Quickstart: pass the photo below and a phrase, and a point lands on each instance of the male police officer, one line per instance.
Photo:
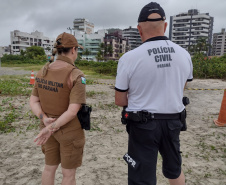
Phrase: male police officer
(150, 82)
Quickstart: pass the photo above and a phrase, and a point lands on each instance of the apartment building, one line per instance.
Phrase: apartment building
(118, 44)
(133, 37)
(186, 28)
(219, 43)
(82, 24)
(22, 40)
(4, 50)
(90, 42)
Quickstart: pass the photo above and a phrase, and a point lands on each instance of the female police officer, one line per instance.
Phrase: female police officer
(56, 98)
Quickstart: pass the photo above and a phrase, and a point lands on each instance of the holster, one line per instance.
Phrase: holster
(183, 120)
(84, 116)
(123, 118)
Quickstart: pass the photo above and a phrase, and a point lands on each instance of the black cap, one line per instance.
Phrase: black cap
(149, 9)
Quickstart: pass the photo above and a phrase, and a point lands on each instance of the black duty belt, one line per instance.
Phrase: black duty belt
(143, 116)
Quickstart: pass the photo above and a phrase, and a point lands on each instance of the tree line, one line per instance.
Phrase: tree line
(203, 66)
(32, 55)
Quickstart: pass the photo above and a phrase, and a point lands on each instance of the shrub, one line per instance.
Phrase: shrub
(15, 87)
(205, 67)
(107, 68)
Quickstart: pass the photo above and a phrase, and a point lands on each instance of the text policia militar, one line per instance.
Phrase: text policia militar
(162, 54)
(48, 85)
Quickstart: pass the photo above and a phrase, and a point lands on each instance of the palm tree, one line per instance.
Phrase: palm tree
(86, 53)
(105, 51)
(99, 56)
(109, 50)
(101, 53)
(201, 46)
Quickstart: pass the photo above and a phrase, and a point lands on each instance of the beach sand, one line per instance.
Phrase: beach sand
(203, 145)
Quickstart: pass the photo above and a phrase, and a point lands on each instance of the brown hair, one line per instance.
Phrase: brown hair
(63, 50)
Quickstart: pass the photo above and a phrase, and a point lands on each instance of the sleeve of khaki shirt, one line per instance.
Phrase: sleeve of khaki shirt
(78, 91)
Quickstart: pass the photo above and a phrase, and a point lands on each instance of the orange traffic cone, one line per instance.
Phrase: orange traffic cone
(221, 121)
(32, 79)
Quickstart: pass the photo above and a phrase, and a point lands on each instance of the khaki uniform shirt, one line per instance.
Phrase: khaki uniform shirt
(59, 87)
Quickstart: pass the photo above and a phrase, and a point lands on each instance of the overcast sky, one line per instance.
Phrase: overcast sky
(53, 17)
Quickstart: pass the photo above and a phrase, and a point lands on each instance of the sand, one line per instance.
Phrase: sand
(203, 145)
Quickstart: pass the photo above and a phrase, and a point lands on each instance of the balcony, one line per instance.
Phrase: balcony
(179, 34)
(22, 45)
(204, 34)
(181, 21)
(95, 47)
(202, 21)
(180, 26)
(180, 30)
(180, 39)
(130, 31)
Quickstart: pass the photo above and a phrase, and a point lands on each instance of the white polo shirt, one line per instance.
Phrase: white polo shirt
(155, 74)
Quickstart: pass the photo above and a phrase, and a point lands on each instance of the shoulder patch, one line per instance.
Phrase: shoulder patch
(83, 80)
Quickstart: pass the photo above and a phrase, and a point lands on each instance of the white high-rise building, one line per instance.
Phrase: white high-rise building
(133, 37)
(83, 25)
(22, 40)
(186, 28)
(219, 43)
(90, 42)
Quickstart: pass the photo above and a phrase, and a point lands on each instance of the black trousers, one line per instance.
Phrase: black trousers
(145, 141)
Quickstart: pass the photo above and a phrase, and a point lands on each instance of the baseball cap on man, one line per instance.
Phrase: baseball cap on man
(66, 40)
(150, 8)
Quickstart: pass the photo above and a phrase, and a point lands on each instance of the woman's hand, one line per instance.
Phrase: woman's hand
(45, 133)
(43, 136)
(47, 121)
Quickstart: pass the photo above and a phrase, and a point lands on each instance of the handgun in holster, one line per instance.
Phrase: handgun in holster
(84, 116)
(183, 116)
(123, 118)
(185, 101)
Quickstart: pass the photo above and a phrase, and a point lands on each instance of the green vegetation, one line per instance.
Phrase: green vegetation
(106, 68)
(205, 67)
(8, 119)
(12, 86)
(200, 47)
(34, 52)
(11, 113)
(15, 85)
(32, 55)
(105, 51)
